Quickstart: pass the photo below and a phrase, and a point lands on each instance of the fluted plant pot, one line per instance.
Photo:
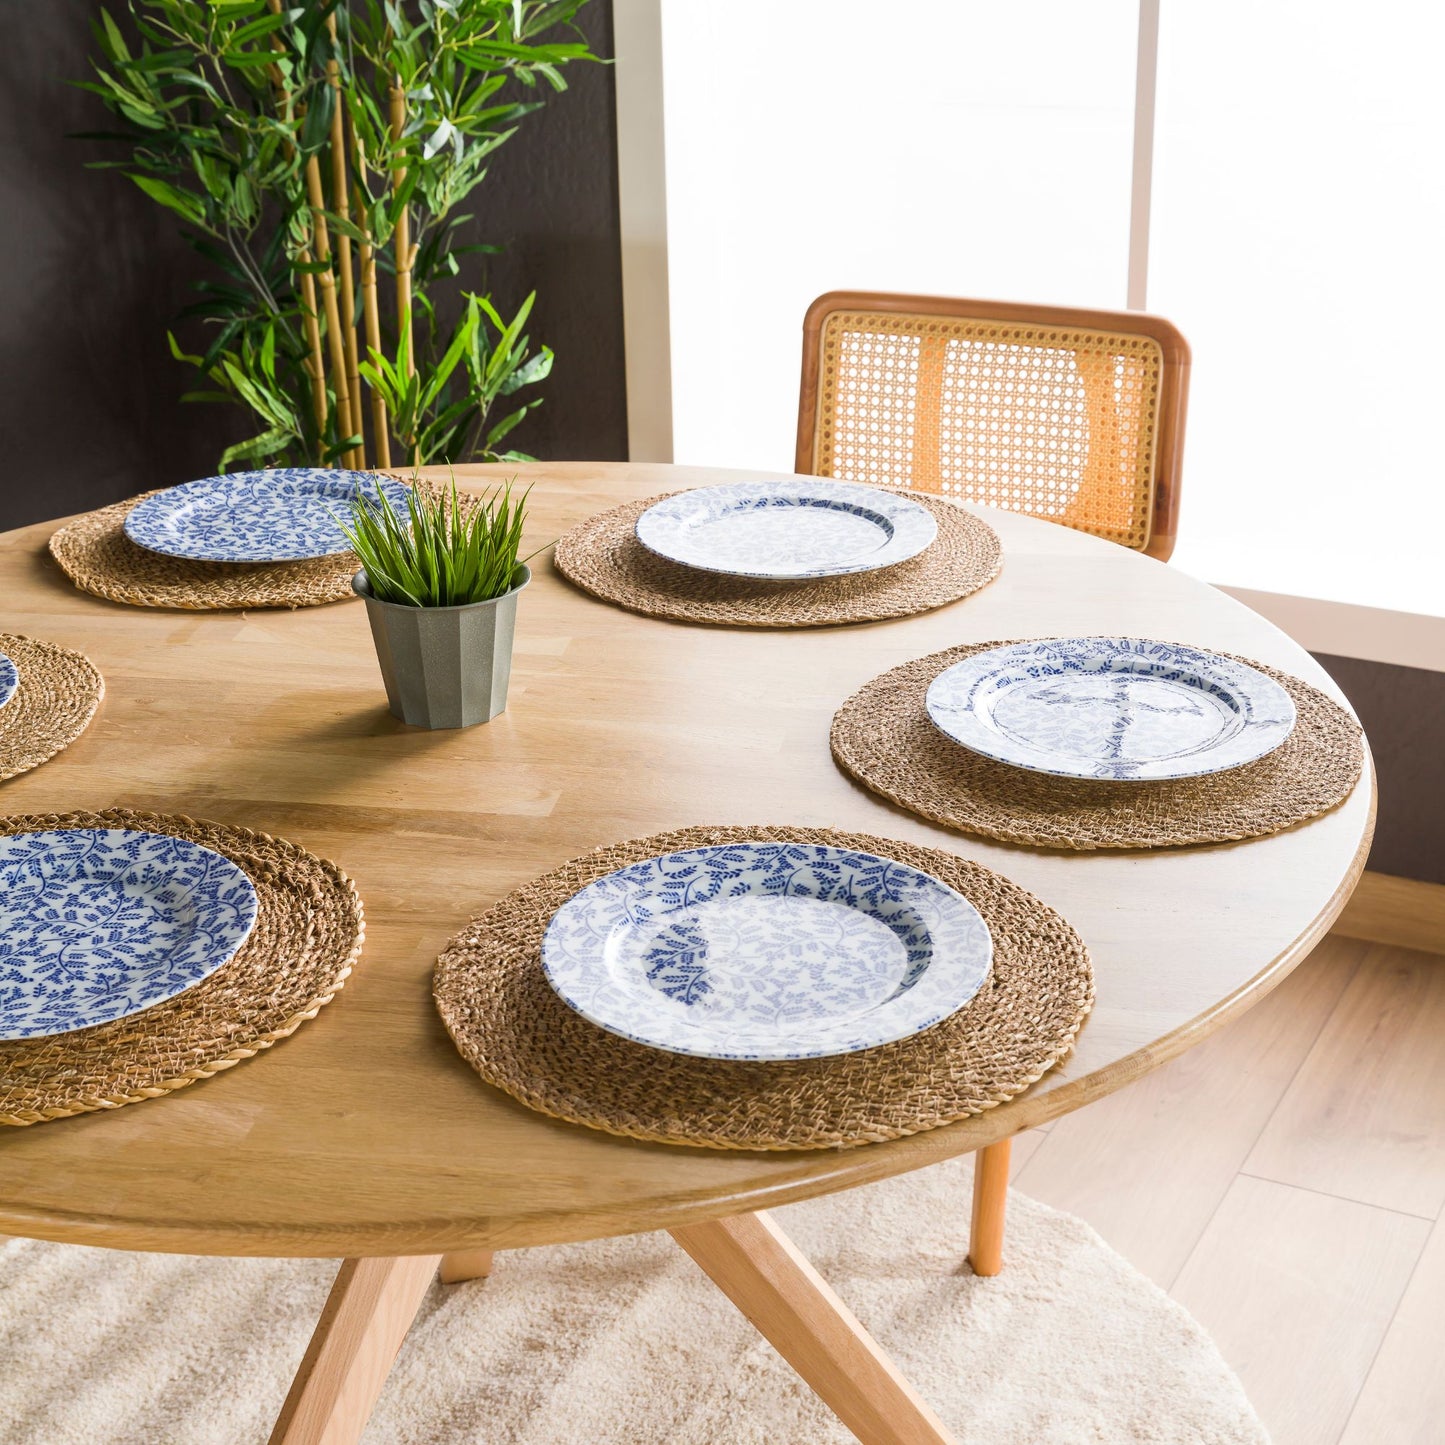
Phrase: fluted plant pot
(444, 667)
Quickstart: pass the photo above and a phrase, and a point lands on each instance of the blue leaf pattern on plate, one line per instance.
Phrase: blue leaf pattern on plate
(766, 950)
(99, 923)
(1112, 708)
(787, 529)
(285, 514)
(9, 679)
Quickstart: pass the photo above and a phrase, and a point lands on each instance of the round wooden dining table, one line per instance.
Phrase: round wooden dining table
(366, 1137)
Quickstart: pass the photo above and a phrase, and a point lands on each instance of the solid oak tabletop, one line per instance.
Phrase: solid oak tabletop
(365, 1133)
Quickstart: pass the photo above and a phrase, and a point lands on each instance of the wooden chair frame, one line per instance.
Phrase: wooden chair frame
(1173, 381)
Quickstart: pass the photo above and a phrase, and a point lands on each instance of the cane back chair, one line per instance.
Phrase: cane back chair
(1073, 416)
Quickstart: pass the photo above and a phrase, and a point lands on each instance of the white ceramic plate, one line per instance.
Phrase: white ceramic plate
(766, 951)
(9, 679)
(809, 527)
(1120, 708)
(285, 514)
(99, 923)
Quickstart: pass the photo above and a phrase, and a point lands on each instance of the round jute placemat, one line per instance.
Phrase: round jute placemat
(603, 556)
(56, 697)
(519, 1036)
(308, 934)
(883, 737)
(95, 553)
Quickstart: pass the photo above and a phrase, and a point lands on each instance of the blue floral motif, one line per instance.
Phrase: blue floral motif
(1114, 708)
(99, 923)
(787, 529)
(9, 679)
(285, 514)
(766, 950)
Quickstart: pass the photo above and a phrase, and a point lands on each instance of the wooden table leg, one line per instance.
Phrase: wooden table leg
(990, 1196)
(762, 1272)
(466, 1264)
(367, 1315)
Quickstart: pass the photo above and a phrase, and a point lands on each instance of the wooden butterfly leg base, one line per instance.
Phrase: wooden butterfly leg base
(367, 1315)
(761, 1271)
(990, 1197)
(466, 1264)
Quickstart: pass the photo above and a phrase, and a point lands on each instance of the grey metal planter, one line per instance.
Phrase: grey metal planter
(444, 667)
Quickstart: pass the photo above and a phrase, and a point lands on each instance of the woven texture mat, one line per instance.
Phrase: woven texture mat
(603, 556)
(95, 553)
(307, 936)
(519, 1036)
(884, 738)
(53, 703)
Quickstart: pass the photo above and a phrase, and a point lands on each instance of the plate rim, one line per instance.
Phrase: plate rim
(142, 523)
(235, 941)
(903, 507)
(760, 1054)
(1272, 733)
(9, 677)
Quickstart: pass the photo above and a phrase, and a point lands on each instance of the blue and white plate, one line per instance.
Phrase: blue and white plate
(808, 527)
(766, 951)
(9, 679)
(99, 923)
(1119, 708)
(283, 515)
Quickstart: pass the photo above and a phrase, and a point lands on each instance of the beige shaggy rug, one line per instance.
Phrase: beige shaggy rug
(624, 1342)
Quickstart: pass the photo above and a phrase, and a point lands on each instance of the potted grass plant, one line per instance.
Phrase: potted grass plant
(441, 581)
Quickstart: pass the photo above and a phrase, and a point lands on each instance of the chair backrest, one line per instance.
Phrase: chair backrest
(1074, 416)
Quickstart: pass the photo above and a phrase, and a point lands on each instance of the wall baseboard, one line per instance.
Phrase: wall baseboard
(1401, 912)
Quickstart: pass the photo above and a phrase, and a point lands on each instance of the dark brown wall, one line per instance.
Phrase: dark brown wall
(1403, 711)
(91, 273)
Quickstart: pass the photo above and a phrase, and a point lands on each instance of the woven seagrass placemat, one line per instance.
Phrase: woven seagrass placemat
(95, 553)
(883, 737)
(308, 934)
(519, 1036)
(56, 697)
(603, 556)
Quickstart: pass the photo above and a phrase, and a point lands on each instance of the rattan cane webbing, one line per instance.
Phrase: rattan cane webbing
(95, 553)
(1059, 422)
(307, 937)
(520, 1037)
(884, 738)
(53, 702)
(603, 556)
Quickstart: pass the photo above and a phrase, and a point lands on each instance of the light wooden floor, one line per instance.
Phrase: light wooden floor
(1286, 1181)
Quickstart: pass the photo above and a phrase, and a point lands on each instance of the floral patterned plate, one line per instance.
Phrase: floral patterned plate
(9, 679)
(787, 529)
(766, 951)
(283, 515)
(99, 923)
(1118, 708)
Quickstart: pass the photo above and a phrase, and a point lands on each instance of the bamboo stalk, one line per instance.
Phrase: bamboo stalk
(315, 362)
(370, 309)
(405, 252)
(335, 342)
(340, 204)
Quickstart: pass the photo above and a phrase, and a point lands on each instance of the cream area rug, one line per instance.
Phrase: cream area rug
(625, 1342)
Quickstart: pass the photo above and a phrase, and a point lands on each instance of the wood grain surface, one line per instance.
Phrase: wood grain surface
(365, 1133)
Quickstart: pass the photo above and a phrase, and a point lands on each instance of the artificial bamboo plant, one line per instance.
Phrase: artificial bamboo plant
(316, 153)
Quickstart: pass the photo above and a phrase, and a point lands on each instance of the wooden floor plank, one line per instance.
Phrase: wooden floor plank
(1363, 1116)
(1298, 1290)
(1403, 1401)
(1147, 1166)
